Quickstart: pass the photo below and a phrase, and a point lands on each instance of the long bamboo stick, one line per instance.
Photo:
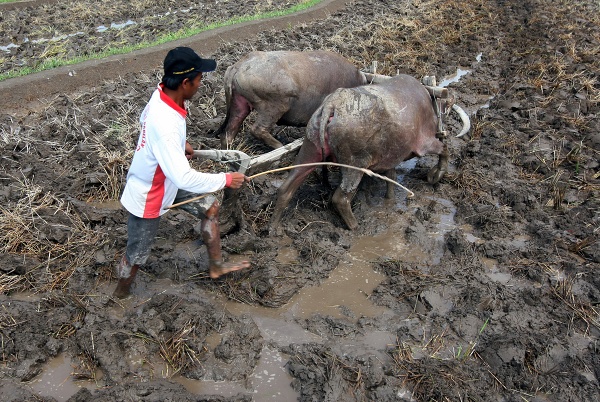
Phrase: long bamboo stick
(366, 171)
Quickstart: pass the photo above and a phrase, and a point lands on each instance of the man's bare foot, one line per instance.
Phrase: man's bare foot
(220, 268)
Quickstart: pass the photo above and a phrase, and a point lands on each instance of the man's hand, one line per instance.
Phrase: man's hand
(237, 179)
(189, 151)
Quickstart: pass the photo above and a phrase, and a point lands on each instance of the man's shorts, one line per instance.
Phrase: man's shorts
(141, 232)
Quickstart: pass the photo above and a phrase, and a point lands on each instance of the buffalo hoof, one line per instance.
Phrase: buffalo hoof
(435, 175)
(351, 222)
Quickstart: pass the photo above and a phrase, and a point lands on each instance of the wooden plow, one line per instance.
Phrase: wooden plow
(242, 162)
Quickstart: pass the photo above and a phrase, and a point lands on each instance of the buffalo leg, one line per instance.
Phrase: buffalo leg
(264, 134)
(267, 117)
(342, 198)
(390, 174)
(437, 172)
(308, 154)
(239, 109)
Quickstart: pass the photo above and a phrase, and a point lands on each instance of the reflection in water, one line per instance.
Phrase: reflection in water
(347, 289)
(270, 380)
(444, 225)
(56, 380)
(8, 47)
(405, 168)
(454, 77)
(114, 25)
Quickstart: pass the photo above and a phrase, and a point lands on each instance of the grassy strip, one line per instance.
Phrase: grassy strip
(55, 62)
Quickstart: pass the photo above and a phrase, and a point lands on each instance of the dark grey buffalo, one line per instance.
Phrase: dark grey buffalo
(284, 88)
(374, 127)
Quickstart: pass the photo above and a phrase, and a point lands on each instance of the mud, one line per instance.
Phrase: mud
(483, 287)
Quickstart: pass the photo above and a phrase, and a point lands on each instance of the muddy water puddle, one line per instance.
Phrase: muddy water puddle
(345, 293)
(57, 381)
(269, 381)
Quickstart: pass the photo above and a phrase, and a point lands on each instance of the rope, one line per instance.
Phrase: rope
(366, 171)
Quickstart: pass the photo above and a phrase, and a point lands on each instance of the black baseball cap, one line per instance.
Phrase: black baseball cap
(183, 60)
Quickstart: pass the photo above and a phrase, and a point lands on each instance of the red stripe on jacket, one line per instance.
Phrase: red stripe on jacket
(155, 196)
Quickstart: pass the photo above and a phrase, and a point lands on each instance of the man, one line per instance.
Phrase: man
(160, 174)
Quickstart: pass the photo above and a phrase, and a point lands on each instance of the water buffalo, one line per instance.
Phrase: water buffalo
(284, 88)
(374, 127)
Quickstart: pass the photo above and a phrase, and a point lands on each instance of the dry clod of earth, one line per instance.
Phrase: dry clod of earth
(490, 284)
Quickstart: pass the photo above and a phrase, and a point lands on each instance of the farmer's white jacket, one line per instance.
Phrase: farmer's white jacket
(159, 166)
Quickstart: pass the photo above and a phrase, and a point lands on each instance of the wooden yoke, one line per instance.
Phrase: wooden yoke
(441, 103)
(437, 92)
(439, 97)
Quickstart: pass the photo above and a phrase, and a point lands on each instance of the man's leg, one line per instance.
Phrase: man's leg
(207, 209)
(140, 237)
(211, 236)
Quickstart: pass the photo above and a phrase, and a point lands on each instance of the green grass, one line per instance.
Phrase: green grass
(461, 354)
(55, 62)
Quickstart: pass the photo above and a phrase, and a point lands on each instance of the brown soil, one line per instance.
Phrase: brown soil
(497, 298)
